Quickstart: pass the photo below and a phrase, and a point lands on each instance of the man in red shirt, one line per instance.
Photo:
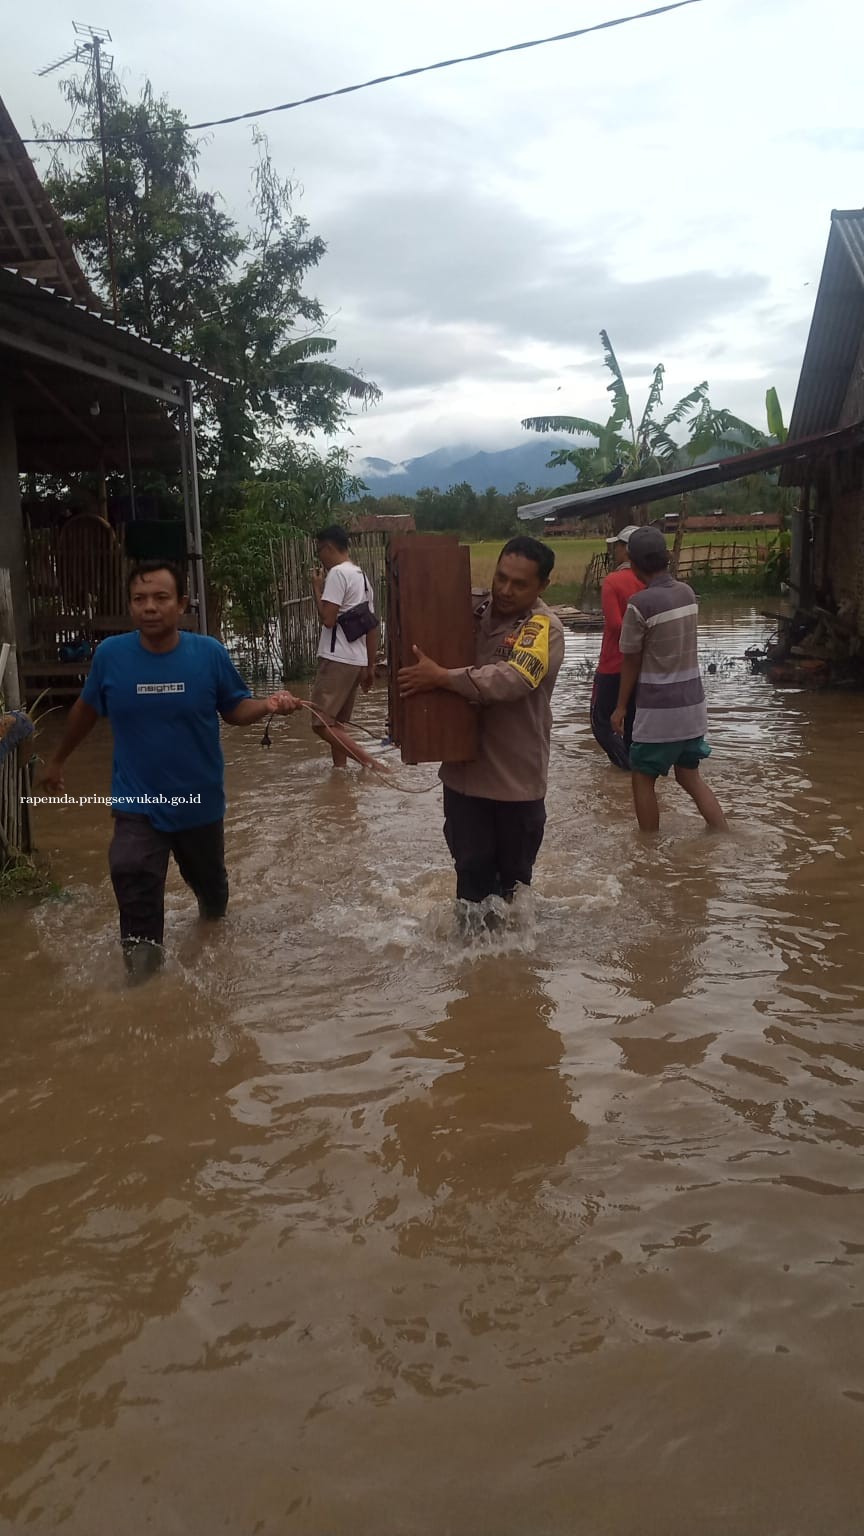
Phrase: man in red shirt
(618, 588)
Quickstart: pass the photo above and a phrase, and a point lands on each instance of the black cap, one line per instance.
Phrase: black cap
(646, 541)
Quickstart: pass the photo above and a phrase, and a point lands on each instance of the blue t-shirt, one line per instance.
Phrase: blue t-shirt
(164, 713)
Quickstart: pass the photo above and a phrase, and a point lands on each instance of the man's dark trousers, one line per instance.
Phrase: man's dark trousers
(604, 702)
(494, 843)
(138, 860)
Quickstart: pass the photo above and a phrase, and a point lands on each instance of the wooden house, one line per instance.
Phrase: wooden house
(828, 536)
(79, 396)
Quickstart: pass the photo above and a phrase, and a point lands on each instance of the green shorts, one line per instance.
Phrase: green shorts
(656, 757)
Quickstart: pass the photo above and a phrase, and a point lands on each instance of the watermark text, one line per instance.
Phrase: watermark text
(116, 802)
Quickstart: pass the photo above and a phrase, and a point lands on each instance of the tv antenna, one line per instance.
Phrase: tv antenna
(89, 44)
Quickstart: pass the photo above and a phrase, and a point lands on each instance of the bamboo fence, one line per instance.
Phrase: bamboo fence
(14, 818)
(76, 591)
(718, 559)
(293, 560)
(693, 560)
(77, 576)
(14, 770)
(598, 567)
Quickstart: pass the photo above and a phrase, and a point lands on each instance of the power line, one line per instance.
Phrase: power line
(407, 74)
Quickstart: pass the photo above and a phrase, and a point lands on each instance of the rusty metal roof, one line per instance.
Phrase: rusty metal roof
(33, 238)
(35, 249)
(836, 330)
(38, 298)
(67, 369)
(57, 432)
(630, 493)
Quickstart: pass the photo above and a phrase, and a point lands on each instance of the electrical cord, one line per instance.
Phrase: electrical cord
(338, 731)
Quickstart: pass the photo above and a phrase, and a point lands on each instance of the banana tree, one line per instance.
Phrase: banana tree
(624, 447)
(776, 426)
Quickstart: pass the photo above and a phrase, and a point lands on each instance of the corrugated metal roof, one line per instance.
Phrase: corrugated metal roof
(836, 329)
(630, 493)
(850, 228)
(33, 238)
(35, 249)
(99, 327)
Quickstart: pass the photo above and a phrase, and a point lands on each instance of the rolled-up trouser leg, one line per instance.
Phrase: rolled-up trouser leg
(138, 861)
(200, 855)
(469, 831)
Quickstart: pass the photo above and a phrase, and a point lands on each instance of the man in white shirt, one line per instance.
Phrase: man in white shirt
(343, 665)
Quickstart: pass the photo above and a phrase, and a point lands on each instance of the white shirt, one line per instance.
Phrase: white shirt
(346, 586)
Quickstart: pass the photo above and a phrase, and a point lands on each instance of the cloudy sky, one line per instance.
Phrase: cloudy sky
(670, 181)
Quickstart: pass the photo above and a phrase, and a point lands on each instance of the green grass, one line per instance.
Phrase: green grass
(570, 593)
(23, 878)
(573, 556)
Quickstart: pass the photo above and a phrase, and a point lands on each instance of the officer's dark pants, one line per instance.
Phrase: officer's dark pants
(604, 702)
(494, 843)
(138, 860)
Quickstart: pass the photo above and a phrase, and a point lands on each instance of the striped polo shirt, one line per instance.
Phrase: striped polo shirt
(660, 622)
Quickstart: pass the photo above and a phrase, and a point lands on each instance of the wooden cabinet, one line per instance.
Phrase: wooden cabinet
(429, 605)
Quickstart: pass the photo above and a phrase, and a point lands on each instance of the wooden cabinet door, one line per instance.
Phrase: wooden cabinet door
(429, 605)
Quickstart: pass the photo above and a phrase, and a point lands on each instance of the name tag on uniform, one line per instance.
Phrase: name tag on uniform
(161, 688)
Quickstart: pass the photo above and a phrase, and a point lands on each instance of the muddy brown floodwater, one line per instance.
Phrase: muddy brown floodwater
(341, 1224)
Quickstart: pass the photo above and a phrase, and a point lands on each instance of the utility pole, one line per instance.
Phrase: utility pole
(91, 41)
(90, 45)
(96, 47)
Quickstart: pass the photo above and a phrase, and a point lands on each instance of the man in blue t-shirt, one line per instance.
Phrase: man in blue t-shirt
(163, 690)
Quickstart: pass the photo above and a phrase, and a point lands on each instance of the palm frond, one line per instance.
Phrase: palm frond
(305, 347)
(578, 426)
(655, 395)
(664, 447)
(326, 376)
(617, 389)
(751, 436)
(719, 429)
(697, 396)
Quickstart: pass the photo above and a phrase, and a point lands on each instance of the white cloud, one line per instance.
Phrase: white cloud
(671, 180)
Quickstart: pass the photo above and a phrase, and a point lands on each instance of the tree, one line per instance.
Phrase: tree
(189, 279)
(295, 491)
(625, 449)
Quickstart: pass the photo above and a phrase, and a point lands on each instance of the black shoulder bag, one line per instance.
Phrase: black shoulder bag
(357, 621)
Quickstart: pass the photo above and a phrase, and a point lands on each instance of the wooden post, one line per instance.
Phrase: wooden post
(194, 505)
(14, 813)
(679, 536)
(102, 490)
(10, 686)
(13, 554)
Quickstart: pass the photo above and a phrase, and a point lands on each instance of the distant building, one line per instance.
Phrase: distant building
(399, 522)
(715, 522)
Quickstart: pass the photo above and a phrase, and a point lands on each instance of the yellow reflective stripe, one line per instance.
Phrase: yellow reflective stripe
(530, 653)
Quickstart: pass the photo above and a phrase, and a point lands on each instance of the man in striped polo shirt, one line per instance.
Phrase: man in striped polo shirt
(660, 660)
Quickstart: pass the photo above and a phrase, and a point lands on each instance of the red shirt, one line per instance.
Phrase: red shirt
(618, 588)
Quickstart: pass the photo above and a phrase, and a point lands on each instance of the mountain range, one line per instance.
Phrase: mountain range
(463, 464)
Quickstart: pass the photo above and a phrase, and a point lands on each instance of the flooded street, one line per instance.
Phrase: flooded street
(343, 1224)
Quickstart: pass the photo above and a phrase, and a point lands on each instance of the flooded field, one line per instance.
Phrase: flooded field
(343, 1224)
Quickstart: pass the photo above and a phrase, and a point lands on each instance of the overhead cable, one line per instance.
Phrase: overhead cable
(403, 74)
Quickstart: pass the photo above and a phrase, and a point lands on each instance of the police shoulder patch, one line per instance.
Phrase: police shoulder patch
(530, 653)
